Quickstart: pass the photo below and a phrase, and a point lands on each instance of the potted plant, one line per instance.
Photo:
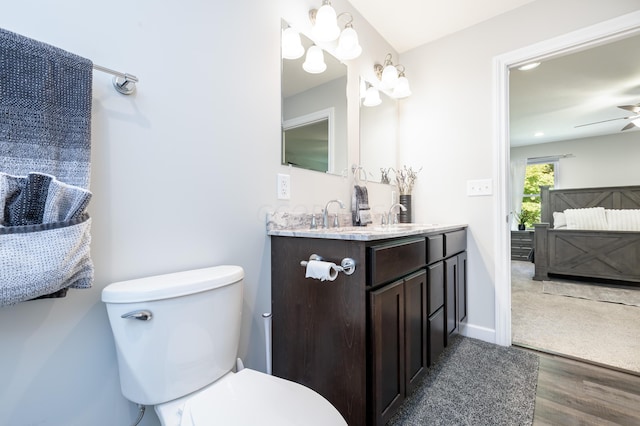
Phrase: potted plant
(522, 219)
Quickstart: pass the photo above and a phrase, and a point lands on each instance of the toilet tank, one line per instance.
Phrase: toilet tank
(191, 338)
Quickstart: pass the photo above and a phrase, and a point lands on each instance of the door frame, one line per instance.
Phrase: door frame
(601, 33)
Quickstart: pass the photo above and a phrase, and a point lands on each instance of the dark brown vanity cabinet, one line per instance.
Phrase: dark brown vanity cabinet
(456, 280)
(397, 326)
(364, 340)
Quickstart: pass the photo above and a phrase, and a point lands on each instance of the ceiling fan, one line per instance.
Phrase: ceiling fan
(635, 118)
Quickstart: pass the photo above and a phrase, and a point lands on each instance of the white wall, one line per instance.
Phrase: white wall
(183, 173)
(598, 161)
(447, 125)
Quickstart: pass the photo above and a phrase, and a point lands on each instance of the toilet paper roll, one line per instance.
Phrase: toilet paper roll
(322, 271)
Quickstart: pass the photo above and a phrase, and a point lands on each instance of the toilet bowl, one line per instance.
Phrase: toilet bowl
(250, 398)
(177, 338)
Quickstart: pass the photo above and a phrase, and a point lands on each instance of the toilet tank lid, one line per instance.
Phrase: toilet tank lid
(171, 285)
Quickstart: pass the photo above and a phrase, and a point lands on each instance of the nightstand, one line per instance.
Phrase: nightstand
(521, 244)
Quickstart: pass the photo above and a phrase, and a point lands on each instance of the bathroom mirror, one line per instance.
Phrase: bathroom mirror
(378, 135)
(314, 114)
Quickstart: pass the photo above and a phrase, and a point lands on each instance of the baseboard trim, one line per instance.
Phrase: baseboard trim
(478, 332)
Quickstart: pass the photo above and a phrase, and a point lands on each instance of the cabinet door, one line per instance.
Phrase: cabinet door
(436, 328)
(435, 295)
(462, 286)
(451, 288)
(388, 342)
(415, 304)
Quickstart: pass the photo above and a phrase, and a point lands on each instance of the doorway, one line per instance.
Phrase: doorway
(604, 32)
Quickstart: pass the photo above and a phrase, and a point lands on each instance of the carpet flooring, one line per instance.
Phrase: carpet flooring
(601, 332)
(474, 383)
(598, 292)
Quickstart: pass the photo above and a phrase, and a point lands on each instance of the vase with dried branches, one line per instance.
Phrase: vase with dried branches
(405, 178)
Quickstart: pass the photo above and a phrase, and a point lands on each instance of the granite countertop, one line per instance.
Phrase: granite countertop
(365, 233)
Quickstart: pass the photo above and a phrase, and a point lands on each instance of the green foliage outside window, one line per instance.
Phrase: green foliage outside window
(535, 176)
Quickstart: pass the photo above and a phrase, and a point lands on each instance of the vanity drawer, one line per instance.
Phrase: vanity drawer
(455, 242)
(435, 248)
(395, 259)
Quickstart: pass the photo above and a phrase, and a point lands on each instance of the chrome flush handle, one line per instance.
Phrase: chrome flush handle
(143, 315)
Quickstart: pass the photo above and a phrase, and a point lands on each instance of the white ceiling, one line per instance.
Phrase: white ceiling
(406, 24)
(576, 89)
(562, 93)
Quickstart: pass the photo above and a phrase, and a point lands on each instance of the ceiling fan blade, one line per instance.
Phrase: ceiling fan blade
(633, 108)
(603, 121)
(628, 126)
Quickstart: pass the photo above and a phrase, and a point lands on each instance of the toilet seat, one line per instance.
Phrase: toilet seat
(250, 398)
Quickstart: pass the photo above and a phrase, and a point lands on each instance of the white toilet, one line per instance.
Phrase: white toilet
(177, 338)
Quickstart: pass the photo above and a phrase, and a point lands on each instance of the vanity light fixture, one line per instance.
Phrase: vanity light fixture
(292, 47)
(372, 97)
(402, 86)
(325, 29)
(636, 122)
(314, 61)
(348, 44)
(325, 23)
(392, 78)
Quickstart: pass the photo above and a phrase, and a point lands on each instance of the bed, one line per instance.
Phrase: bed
(609, 254)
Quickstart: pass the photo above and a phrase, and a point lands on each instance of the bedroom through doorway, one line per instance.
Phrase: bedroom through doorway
(519, 271)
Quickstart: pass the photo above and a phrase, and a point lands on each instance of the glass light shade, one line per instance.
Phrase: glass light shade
(402, 88)
(291, 45)
(372, 98)
(348, 45)
(389, 77)
(326, 26)
(314, 62)
(636, 122)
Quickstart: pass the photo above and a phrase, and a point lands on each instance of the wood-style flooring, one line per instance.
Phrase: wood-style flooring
(571, 392)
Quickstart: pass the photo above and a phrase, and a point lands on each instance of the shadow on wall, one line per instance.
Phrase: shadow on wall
(48, 386)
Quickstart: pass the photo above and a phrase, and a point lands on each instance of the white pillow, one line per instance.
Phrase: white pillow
(592, 218)
(559, 220)
(623, 220)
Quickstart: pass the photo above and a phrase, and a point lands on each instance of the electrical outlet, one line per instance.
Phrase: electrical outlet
(284, 186)
(479, 187)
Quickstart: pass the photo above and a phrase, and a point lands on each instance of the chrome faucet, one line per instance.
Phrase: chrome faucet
(393, 218)
(325, 214)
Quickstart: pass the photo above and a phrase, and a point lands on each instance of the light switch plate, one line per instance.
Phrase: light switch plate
(479, 187)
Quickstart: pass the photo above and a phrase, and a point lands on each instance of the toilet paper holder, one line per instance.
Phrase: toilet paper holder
(347, 265)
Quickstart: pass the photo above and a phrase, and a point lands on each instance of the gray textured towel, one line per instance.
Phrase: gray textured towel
(360, 211)
(45, 129)
(45, 110)
(39, 199)
(37, 260)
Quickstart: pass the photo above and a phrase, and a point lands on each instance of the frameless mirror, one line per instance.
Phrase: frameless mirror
(314, 114)
(378, 134)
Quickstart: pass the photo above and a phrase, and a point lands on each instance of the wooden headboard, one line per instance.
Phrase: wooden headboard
(617, 197)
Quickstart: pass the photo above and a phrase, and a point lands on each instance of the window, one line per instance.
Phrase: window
(537, 173)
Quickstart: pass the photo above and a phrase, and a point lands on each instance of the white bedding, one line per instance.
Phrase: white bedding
(598, 218)
(592, 218)
(623, 220)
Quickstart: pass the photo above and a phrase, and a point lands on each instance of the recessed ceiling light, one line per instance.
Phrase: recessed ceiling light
(529, 66)
(538, 134)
